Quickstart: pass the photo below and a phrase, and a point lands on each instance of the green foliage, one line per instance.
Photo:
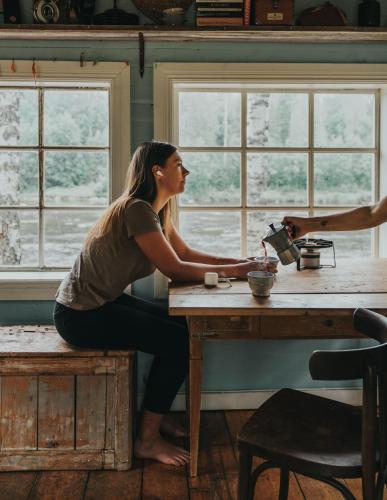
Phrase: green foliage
(70, 119)
(207, 119)
(340, 121)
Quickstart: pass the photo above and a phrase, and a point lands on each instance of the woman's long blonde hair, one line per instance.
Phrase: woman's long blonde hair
(140, 183)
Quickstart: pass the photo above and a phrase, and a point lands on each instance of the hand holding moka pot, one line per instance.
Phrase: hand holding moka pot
(279, 239)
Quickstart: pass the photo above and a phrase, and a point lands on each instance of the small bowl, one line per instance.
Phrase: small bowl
(260, 282)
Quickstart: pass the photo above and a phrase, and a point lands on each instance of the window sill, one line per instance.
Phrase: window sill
(29, 285)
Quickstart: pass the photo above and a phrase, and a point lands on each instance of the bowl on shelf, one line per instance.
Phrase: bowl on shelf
(154, 8)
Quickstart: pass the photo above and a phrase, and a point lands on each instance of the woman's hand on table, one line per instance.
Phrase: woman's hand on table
(245, 267)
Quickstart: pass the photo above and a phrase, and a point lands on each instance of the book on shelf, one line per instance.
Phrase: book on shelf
(219, 21)
(228, 15)
(220, 6)
(221, 3)
(246, 12)
(222, 9)
(219, 12)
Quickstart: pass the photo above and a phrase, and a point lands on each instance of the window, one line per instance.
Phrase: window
(256, 155)
(54, 158)
(265, 140)
(63, 157)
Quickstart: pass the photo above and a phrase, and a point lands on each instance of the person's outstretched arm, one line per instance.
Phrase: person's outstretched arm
(159, 251)
(358, 218)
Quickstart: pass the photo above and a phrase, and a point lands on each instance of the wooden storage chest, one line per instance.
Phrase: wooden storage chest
(62, 407)
(272, 12)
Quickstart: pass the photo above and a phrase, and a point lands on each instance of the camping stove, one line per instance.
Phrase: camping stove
(311, 251)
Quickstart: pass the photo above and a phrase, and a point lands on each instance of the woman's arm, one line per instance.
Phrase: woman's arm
(191, 255)
(158, 250)
(358, 218)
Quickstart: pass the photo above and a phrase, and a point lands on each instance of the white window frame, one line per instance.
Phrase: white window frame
(20, 285)
(311, 75)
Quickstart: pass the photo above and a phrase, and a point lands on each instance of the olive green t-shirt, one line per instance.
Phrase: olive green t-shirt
(102, 271)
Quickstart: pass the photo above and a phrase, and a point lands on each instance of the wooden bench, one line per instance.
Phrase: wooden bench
(62, 407)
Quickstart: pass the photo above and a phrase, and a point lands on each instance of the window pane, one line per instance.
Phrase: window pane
(19, 238)
(19, 178)
(258, 226)
(344, 120)
(217, 233)
(209, 119)
(348, 244)
(214, 179)
(19, 117)
(277, 179)
(65, 232)
(277, 120)
(84, 118)
(76, 178)
(343, 179)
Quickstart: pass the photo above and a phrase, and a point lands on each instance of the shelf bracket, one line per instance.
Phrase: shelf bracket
(141, 48)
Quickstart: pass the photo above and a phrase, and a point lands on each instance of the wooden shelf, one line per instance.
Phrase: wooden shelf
(316, 34)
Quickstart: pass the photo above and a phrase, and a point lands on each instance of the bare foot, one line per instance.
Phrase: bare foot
(162, 451)
(171, 429)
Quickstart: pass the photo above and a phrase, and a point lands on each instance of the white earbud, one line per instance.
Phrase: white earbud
(159, 173)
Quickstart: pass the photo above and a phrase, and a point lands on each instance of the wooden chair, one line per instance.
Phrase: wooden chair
(319, 437)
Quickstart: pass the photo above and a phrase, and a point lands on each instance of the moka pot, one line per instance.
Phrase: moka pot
(279, 239)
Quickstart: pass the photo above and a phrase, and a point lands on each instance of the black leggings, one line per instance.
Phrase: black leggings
(133, 323)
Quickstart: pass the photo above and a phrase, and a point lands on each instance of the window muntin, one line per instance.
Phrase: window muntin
(300, 150)
(58, 143)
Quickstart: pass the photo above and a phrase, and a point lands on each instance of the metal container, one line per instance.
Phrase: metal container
(278, 237)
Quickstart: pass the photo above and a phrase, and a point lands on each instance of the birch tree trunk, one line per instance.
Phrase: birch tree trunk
(258, 119)
(10, 243)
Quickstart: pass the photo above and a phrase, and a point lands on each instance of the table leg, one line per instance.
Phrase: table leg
(194, 393)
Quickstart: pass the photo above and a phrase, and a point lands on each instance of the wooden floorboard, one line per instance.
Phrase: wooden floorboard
(16, 485)
(115, 485)
(317, 490)
(218, 468)
(55, 485)
(217, 479)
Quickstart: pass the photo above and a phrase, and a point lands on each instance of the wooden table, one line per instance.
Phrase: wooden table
(304, 304)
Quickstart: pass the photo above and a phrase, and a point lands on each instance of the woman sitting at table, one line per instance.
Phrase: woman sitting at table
(358, 218)
(133, 237)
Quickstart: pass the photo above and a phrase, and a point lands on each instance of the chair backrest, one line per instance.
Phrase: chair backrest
(350, 364)
(370, 364)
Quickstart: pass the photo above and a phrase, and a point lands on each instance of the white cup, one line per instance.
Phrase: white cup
(210, 279)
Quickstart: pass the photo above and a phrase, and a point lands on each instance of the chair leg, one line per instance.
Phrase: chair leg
(369, 488)
(244, 480)
(284, 484)
(380, 485)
